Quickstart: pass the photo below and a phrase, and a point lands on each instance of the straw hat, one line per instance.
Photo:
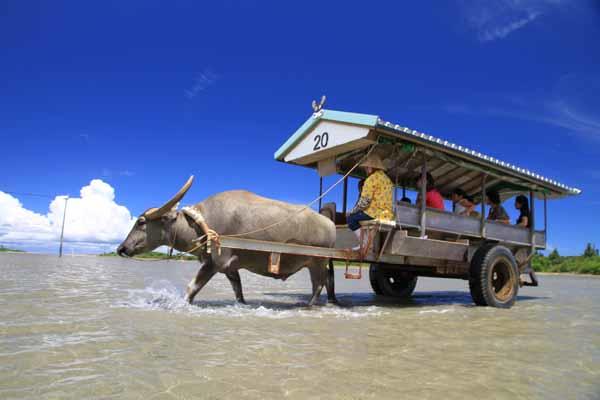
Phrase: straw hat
(373, 161)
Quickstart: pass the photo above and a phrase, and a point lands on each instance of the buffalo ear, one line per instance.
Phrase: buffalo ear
(170, 215)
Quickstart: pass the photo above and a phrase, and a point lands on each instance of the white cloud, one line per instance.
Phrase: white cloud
(570, 105)
(201, 82)
(127, 173)
(94, 220)
(500, 32)
(493, 20)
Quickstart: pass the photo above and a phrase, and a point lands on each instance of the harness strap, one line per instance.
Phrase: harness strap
(195, 215)
(198, 218)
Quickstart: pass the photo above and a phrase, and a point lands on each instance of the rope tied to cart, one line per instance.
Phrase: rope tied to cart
(308, 205)
(212, 236)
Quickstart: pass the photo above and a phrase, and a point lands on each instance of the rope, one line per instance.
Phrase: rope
(312, 202)
(202, 240)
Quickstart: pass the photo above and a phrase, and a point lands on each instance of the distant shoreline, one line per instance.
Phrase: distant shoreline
(570, 264)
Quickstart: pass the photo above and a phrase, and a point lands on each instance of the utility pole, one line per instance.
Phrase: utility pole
(62, 230)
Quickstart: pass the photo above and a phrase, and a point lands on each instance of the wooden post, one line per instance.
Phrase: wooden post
(483, 198)
(345, 200)
(320, 192)
(423, 197)
(62, 229)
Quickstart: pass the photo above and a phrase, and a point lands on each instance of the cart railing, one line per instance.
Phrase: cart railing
(408, 216)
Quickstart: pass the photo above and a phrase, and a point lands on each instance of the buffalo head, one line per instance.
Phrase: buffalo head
(152, 228)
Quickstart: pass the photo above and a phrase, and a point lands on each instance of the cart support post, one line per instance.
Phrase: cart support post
(545, 215)
(483, 198)
(345, 200)
(532, 219)
(320, 192)
(423, 196)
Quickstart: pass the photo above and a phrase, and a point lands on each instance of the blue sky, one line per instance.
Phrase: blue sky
(142, 94)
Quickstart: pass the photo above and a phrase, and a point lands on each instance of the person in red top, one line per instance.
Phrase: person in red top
(433, 198)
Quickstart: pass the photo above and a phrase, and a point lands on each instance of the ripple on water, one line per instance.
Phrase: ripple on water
(433, 311)
(163, 295)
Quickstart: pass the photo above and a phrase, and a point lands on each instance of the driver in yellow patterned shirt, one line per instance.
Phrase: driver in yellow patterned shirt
(376, 197)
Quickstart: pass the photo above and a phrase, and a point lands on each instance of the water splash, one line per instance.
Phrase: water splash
(162, 295)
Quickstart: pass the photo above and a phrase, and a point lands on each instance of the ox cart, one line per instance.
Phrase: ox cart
(494, 257)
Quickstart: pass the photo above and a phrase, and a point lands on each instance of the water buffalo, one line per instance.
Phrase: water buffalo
(230, 213)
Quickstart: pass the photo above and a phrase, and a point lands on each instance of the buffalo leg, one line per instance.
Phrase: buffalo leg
(318, 278)
(331, 284)
(236, 284)
(206, 272)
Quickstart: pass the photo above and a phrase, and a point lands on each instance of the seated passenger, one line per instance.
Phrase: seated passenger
(497, 212)
(375, 200)
(463, 204)
(522, 204)
(433, 198)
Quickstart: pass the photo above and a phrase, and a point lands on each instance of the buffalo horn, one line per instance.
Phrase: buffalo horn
(155, 213)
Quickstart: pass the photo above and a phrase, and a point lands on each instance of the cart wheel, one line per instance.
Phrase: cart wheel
(373, 279)
(494, 277)
(391, 282)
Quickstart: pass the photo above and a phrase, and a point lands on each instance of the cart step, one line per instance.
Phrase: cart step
(351, 275)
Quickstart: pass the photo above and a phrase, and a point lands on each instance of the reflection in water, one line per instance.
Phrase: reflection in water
(95, 327)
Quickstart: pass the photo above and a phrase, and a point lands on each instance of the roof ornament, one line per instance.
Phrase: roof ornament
(318, 107)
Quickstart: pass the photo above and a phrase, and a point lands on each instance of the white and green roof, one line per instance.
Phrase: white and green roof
(329, 134)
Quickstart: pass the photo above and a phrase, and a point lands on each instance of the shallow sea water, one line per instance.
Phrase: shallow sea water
(102, 327)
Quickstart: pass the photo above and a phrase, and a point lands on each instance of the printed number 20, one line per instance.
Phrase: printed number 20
(321, 141)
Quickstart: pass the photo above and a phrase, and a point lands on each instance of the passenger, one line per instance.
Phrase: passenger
(497, 212)
(433, 198)
(463, 204)
(375, 200)
(470, 204)
(522, 204)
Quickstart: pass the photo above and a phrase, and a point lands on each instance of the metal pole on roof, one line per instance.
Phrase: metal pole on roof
(62, 229)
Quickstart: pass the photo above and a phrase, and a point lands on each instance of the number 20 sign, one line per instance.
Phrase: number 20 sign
(321, 141)
(327, 136)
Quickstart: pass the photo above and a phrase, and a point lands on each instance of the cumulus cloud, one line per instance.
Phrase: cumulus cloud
(94, 220)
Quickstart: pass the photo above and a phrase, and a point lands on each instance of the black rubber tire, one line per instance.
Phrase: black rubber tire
(392, 282)
(474, 286)
(494, 277)
(373, 279)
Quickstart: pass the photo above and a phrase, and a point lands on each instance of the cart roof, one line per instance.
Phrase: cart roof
(340, 138)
